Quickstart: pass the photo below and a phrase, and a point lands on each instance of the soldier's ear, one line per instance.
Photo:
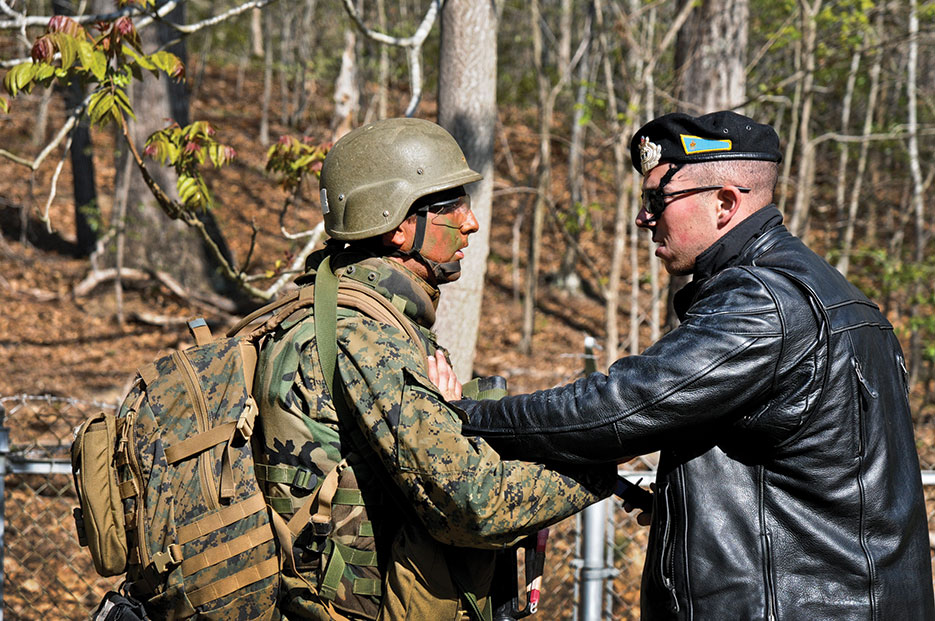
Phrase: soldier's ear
(399, 238)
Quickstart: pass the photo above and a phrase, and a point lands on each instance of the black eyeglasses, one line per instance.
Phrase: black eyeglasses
(654, 199)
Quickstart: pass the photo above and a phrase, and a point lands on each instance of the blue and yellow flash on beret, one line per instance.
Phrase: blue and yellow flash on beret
(682, 139)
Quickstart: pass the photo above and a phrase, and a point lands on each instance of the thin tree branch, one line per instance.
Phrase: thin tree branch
(21, 20)
(412, 45)
(217, 19)
(59, 137)
(58, 171)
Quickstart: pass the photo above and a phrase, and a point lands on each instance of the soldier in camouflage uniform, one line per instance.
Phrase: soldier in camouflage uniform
(419, 509)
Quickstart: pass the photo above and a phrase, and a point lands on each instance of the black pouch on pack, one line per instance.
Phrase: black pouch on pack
(117, 607)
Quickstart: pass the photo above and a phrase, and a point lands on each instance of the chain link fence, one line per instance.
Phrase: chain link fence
(46, 575)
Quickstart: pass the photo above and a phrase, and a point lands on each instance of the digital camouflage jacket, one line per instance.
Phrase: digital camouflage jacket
(421, 482)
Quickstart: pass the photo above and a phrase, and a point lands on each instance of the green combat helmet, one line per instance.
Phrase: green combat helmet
(373, 175)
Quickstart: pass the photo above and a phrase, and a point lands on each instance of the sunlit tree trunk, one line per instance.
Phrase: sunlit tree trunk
(806, 173)
(857, 187)
(544, 176)
(467, 107)
(915, 169)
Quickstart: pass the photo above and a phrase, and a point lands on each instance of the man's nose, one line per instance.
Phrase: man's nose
(644, 219)
(470, 223)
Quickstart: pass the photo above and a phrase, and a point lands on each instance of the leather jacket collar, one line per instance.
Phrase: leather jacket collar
(726, 252)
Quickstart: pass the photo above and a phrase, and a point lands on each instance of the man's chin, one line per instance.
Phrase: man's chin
(674, 270)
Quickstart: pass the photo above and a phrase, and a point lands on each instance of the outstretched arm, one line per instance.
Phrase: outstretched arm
(462, 490)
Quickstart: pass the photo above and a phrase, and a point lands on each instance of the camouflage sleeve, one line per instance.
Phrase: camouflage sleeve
(465, 494)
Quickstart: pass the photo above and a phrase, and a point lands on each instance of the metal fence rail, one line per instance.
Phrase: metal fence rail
(46, 575)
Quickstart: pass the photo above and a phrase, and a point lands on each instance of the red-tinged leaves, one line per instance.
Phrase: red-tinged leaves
(293, 159)
(65, 24)
(43, 50)
(186, 149)
(124, 30)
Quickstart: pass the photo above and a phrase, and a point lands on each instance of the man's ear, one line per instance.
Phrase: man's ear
(396, 238)
(729, 200)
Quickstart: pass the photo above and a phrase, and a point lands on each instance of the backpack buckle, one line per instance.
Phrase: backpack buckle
(305, 479)
(247, 418)
(320, 528)
(164, 561)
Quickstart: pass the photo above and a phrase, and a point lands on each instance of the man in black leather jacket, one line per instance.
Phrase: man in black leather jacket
(788, 483)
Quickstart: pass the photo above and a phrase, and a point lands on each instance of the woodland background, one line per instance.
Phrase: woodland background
(543, 95)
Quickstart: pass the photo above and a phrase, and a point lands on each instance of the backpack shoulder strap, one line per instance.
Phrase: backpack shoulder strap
(329, 294)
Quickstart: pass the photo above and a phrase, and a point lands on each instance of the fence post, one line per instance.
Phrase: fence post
(593, 539)
(4, 451)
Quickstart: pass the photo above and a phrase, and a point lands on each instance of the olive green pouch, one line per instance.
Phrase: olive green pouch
(99, 518)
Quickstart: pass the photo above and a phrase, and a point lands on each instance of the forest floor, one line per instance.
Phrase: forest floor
(53, 342)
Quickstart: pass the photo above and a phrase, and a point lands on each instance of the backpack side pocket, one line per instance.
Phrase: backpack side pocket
(99, 517)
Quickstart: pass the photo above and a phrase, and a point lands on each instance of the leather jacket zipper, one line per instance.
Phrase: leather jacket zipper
(209, 487)
(766, 548)
(870, 394)
(667, 564)
(902, 366)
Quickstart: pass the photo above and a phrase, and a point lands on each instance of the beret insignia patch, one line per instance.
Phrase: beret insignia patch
(696, 144)
(650, 153)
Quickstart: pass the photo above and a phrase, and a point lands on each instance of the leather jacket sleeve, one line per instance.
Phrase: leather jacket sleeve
(706, 373)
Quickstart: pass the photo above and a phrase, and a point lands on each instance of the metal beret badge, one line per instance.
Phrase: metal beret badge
(650, 154)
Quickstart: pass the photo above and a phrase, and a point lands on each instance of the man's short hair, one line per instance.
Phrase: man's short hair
(760, 176)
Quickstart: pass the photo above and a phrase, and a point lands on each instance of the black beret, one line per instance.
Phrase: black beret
(683, 139)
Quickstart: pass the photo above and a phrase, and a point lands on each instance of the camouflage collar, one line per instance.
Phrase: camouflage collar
(410, 294)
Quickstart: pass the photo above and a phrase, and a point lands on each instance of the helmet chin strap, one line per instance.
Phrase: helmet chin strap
(443, 272)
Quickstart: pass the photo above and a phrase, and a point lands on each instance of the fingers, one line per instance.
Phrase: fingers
(443, 376)
(433, 371)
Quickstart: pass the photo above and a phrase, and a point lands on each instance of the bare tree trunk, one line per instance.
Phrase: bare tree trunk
(918, 208)
(577, 209)
(564, 33)
(793, 128)
(806, 174)
(346, 93)
(286, 16)
(467, 107)
(542, 187)
(87, 211)
(846, 106)
(872, 97)
(256, 33)
(618, 249)
(154, 241)
(383, 72)
(710, 56)
(267, 77)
